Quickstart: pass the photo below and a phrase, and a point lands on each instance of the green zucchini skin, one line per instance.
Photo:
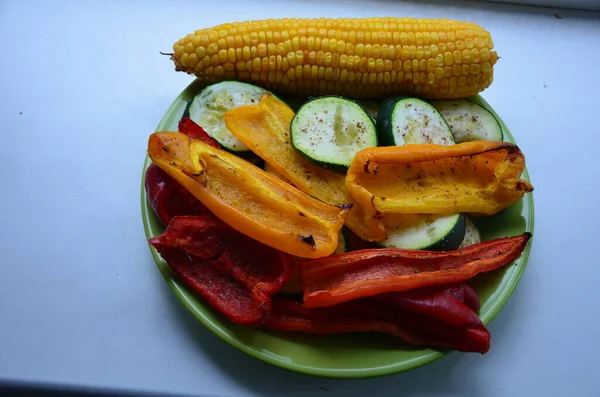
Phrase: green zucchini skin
(452, 240)
(343, 242)
(384, 121)
(330, 130)
(472, 234)
(406, 120)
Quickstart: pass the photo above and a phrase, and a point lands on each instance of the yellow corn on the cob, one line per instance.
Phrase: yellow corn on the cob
(356, 57)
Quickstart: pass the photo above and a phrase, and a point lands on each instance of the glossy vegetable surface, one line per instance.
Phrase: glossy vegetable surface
(345, 355)
(343, 277)
(265, 129)
(247, 198)
(232, 272)
(475, 177)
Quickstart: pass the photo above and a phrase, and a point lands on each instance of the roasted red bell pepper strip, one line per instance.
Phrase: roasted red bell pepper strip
(168, 198)
(437, 303)
(215, 286)
(466, 294)
(250, 262)
(235, 274)
(371, 316)
(437, 312)
(194, 131)
(451, 324)
(344, 277)
(463, 292)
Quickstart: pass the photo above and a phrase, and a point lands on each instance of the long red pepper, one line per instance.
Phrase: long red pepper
(344, 277)
(368, 315)
(438, 303)
(235, 274)
(227, 295)
(168, 198)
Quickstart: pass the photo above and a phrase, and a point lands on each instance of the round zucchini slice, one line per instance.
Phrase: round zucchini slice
(424, 231)
(208, 107)
(408, 120)
(330, 130)
(469, 121)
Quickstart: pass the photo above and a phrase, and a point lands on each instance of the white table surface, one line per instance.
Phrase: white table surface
(81, 302)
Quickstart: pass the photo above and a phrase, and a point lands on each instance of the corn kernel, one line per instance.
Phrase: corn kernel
(222, 56)
(448, 59)
(291, 74)
(484, 55)
(272, 62)
(335, 61)
(256, 64)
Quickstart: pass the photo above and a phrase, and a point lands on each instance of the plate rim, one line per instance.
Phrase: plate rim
(403, 366)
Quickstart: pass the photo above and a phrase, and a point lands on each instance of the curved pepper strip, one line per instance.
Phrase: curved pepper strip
(465, 294)
(443, 304)
(194, 131)
(372, 316)
(479, 177)
(247, 198)
(233, 273)
(344, 277)
(265, 129)
(168, 198)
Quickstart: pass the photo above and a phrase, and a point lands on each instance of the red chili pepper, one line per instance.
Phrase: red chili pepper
(372, 316)
(168, 198)
(344, 277)
(234, 273)
(194, 131)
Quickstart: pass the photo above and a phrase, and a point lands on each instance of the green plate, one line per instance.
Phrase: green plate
(347, 355)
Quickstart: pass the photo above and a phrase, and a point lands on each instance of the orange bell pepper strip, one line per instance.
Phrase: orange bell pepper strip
(480, 177)
(247, 198)
(344, 277)
(265, 129)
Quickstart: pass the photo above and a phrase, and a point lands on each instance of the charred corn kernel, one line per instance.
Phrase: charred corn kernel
(360, 57)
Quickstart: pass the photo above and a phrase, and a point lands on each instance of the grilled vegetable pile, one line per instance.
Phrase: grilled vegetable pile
(362, 214)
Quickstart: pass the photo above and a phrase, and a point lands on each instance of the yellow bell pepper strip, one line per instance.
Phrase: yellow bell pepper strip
(480, 177)
(247, 198)
(265, 129)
